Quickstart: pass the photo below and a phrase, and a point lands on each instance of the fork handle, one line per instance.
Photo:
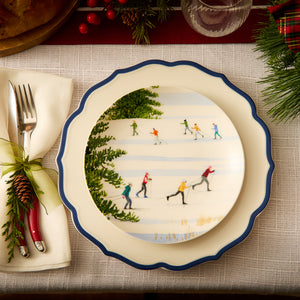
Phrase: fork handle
(33, 225)
(27, 140)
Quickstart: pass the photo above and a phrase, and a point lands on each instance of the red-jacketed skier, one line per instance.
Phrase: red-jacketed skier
(204, 178)
(144, 185)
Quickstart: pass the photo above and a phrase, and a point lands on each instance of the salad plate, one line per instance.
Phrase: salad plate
(165, 165)
(177, 159)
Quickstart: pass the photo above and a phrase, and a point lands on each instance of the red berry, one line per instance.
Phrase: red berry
(111, 14)
(91, 3)
(123, 1)
(83, 28)
(92, 18)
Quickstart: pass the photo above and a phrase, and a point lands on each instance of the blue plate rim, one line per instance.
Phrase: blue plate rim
(163, 264)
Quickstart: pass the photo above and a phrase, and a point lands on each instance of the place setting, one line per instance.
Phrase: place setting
(34, 230)
(150, 157)
(163, 163)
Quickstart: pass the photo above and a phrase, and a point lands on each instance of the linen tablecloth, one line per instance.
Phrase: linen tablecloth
(267, 261)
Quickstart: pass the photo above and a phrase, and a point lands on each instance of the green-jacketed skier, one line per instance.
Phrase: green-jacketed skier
(134, 127)
(125, 195)
(185, 123)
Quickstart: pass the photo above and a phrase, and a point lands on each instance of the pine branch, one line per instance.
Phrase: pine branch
(164, 10)
(99, 168)
(141, 31)
(11, 229)
(137, 104)
(282, 93)
(140, 16)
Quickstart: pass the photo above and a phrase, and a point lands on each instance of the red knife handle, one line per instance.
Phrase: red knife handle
(33, 225)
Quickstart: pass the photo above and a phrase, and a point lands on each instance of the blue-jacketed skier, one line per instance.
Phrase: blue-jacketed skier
(215, 128)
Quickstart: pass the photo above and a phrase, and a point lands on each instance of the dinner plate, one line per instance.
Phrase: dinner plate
(240, 156)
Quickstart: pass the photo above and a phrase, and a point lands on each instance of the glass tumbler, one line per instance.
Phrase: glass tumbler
(216, 18)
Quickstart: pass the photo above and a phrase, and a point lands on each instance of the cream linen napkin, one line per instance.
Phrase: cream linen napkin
(52, 95)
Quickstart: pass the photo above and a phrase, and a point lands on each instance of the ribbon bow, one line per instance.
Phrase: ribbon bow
(13, 160)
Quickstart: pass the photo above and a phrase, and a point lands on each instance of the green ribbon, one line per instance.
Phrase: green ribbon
(13, 159)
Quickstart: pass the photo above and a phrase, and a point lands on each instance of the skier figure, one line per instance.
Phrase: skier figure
(185, 123)
(204, 178)
(134, 127)
(197, 131)
(215, 128)
(144, 187)
(180, 190)
(156, 138)
(125, 195)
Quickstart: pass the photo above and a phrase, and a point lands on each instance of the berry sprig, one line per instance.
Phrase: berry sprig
(138, 15)
(92, 3)
(93, 18)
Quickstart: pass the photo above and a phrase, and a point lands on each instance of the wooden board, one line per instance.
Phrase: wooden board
(37, 35)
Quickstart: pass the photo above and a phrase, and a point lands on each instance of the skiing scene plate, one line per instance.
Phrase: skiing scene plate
(159, 167)
(152, 165)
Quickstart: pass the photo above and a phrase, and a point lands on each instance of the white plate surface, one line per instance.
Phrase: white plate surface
(251, 191)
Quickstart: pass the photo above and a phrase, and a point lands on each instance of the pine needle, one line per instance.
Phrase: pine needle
(282, 93)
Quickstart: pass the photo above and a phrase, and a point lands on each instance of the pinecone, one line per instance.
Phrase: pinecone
(130, 17)
(23, 188)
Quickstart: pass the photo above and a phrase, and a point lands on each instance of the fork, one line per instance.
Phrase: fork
(27, 123)
(27, 114)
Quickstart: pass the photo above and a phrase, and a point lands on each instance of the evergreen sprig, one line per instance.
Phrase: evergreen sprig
(99, 168)
(148, 11)
(141, 30)
(108, 208)
(137, 104)
(282, 91)
(99, 156)
(11, 229)
(164, 10)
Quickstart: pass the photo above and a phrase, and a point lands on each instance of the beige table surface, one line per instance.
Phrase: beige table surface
(267, 261)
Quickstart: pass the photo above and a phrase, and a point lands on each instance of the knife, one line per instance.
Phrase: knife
(32, 213)
(14, 135)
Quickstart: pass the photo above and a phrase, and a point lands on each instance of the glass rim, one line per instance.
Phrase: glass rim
(223, 7)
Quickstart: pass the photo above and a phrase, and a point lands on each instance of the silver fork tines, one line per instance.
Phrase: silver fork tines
(27, 113)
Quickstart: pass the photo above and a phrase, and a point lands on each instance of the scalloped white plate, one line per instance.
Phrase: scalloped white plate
(251, 190)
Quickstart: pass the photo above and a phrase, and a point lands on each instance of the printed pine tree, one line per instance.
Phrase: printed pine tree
(137, 104)
(99, 168)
